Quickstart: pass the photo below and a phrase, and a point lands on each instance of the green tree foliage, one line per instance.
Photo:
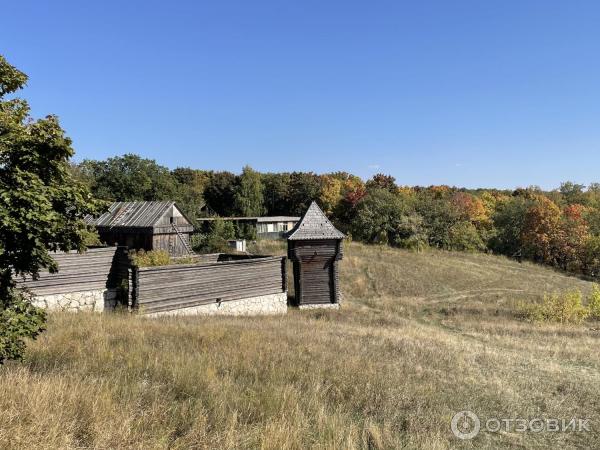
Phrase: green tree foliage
(129, 178)
(191, 184)
(220, 193)
(276, 186)
(214, 239)
(248, 197)
(591, 256)
(573, 193)
(41, 208)
(439, 217)
(387, 218)
(302, 190)
(463, 236)
(508, 219)
(377, 217)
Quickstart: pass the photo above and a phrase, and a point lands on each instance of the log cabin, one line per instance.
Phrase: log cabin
(147, 226)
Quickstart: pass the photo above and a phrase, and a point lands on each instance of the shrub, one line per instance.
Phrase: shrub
(19, 320)
(91, 238)
(560, 308)
(594, 303)
(152, 258)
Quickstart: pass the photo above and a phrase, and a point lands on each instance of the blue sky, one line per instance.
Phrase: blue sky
(467, 93)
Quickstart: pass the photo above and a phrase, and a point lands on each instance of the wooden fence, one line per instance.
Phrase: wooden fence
(167, 288)
(97, 268)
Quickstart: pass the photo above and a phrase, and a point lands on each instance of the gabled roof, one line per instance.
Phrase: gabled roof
(314, 225)
(132, 214)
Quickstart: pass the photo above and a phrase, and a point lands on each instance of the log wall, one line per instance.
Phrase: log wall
(168, 288)
(96, 269)
(316, 279)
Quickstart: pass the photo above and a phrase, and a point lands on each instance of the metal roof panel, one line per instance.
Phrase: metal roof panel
(132, 214)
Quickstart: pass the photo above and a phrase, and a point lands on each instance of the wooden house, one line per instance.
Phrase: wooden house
(146, 225)
(315, 248)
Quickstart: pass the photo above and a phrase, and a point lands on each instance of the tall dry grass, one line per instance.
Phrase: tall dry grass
(419, 337)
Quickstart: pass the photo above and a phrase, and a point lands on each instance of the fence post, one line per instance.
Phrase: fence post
(284, 273)
(133, 287)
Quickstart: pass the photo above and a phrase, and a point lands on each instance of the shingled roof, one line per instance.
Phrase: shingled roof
(314, 225)
(131, 214)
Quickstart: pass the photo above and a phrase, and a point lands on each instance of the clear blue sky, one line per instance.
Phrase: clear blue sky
(468, 93)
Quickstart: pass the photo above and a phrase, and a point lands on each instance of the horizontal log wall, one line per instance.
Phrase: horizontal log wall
(99, 268)
(316, 279)
(167, 288)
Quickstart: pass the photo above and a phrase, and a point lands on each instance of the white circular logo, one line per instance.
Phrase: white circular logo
(465, 425)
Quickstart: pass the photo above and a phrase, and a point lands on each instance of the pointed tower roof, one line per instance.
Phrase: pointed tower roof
(314, 225)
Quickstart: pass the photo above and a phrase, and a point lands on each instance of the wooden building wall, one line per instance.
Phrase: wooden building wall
(171, 243)
(315, 270)
(99, 268)
(167, 288)
(132, 238)
(161, 236)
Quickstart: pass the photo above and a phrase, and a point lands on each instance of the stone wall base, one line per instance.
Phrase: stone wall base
(97, 300)
(263, 305)
(320, 306)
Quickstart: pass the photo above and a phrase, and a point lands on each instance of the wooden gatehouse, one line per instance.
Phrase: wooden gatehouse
(315, 248)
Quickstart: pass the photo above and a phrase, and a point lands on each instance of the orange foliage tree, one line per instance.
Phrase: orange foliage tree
(541, 230)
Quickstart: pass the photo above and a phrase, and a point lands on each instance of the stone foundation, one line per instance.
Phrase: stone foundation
(97, 300)
(264, 305)
(321, 306)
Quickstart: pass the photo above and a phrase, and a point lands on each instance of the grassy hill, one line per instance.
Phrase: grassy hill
(419, 338)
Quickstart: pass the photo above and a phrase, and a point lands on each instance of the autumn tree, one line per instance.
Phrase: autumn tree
(541, 226)
(42, 207)
(469, 208)
(331, 193)
(570, 241)
(382, 181)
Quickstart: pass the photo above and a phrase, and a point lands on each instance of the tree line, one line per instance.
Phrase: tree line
(559, 228)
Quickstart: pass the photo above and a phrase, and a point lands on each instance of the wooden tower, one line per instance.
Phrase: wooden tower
(315, 247)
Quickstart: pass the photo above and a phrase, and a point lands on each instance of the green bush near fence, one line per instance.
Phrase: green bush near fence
(150, 258)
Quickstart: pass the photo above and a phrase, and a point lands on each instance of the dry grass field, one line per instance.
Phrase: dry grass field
(419, 337)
